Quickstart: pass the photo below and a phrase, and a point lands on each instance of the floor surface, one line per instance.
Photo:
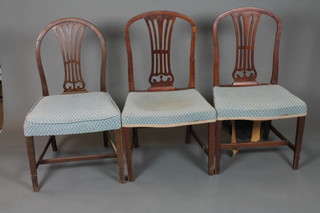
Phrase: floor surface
(170, 177)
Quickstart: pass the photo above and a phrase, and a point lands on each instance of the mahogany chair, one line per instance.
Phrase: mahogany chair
(245, 98)
(76, 111)
(164, 105)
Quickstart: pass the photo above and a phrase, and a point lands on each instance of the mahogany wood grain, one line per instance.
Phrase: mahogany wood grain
(298, 141)
(69, 33)
(246, 21)
(119, 154)
(32, 163)
(254, 144)
(128, 147)
(211, 147)
(119, 151)
(80, 158)
(160, 25)
(218, 146)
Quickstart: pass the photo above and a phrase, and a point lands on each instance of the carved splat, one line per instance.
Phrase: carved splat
(245, 24)
(69, 35)
(160, 30)
(160, 25)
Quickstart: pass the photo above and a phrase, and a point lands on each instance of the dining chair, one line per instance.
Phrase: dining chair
(245, 98)
(75, 111)
(162, 104)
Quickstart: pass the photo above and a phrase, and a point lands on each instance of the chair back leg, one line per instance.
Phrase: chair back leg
(105, 138)
(135, 138)
(211, 147)
(128, 147)
(266, 129)
(53, 143)
(188, 134)
(218, 146)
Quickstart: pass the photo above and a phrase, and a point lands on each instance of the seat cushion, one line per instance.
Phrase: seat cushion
(72, 114)
(165, 109)
(257, 103)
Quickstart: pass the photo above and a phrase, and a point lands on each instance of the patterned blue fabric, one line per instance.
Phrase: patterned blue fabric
(72, 114)
(163, 109)
(257, 103)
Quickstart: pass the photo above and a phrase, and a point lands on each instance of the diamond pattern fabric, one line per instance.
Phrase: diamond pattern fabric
(257, 103)
(165, 109)
(72, 114)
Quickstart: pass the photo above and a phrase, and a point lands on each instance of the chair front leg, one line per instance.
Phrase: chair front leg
(211, 147)
(298, 141)
(218, 146)
(32, 163)
(128, 147)
(119, 149)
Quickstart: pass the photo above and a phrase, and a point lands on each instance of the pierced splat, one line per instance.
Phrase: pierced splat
(160, 30)
(70, 35)
(245, 24)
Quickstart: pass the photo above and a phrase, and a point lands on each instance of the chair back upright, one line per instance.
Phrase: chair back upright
(246, 21)
(160, 25)
(69, 32)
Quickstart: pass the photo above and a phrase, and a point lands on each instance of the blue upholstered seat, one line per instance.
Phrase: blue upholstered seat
(165, 109)
(257, 103)
(72, 114)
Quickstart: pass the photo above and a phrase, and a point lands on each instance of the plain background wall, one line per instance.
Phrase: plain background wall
(21, 22)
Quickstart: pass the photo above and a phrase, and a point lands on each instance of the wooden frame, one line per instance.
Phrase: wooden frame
(160, 25)
(69, 32)
(34, 163)
(245, 22)
(160, 17)
(246, 11)
(63, 29)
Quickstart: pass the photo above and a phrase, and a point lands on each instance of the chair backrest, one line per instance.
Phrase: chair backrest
(69, 32)
(160, 26)
(246, 21)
